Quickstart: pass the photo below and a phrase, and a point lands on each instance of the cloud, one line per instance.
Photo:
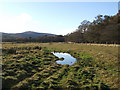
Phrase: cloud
(21, 23)
(15, 23)
(25, 22)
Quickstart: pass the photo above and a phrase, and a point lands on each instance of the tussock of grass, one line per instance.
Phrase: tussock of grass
(33, 66)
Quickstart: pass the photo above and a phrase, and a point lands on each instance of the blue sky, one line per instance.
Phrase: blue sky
(50, 17)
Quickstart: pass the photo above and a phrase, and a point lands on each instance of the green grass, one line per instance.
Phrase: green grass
(32, 66)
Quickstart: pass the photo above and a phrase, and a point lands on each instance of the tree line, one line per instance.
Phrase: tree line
(42, 39)
(104, 29)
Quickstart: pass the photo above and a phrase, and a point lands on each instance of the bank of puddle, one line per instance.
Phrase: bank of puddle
(67, 58)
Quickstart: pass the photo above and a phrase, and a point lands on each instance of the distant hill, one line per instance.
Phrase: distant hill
(26, 34)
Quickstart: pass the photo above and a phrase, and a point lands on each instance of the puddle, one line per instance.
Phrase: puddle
(68, 59)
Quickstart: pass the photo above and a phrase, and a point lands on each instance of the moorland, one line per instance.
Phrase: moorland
(32, 66)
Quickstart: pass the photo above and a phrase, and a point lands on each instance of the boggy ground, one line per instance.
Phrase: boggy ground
(32, 66)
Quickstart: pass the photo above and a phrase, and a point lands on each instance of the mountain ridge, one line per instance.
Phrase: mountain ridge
(26, 34)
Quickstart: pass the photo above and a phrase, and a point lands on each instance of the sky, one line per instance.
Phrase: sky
(50, 17)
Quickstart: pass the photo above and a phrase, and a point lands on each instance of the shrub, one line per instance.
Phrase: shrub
(9, 51)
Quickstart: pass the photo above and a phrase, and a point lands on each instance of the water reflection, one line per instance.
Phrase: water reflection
(68, 59)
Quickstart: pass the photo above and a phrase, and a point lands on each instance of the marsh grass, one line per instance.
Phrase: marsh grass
(33, 66)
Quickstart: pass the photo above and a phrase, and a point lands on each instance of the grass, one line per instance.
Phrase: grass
(32, 66)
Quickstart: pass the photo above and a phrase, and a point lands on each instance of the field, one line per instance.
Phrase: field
(32, 66)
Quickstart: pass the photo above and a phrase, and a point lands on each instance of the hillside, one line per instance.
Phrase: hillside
(26, 34)
(104, 29)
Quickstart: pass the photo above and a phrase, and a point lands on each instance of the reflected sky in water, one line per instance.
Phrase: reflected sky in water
(68, 59)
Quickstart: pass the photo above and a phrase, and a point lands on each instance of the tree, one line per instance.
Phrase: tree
(104, 29)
